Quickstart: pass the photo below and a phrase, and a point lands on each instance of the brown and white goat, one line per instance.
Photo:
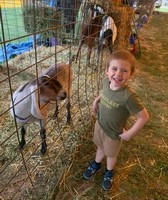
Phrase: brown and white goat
(89, 33)
(101, 26)
(31, 102)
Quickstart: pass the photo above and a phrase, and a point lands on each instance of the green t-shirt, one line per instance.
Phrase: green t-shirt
(115, 108)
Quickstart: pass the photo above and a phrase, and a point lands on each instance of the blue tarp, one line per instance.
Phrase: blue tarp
(13, 50)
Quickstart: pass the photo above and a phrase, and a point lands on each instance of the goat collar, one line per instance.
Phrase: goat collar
(22, 119)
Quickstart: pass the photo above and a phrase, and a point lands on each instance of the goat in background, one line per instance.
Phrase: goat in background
(32, 101)
(101, 26)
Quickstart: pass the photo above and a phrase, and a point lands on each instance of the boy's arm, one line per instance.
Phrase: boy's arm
(95, 104)
(142, 119)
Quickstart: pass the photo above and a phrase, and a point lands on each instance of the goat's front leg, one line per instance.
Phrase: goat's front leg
(55, 115)
(110, 44)
(43, 143)
(68, 106)
(100, 45)
(79, 49)
(108, 35)
(88, 56)
(23, 141)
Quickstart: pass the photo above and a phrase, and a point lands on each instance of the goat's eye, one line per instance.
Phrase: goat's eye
(46, 83)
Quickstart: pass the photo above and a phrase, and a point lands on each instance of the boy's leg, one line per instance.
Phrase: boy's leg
(95, 166)
(111, 150)
(99, 155)
(109, 173)
(111, 163)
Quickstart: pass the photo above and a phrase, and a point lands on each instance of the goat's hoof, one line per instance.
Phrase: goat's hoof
(43, 148)
(21, 145)
(54, 116)
(43, 151)
(68, 120)
(95, 69)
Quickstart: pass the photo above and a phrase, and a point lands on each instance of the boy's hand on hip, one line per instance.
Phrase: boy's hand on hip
(125, 136)
(95, 107)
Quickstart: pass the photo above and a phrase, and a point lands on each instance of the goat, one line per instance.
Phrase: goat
(32, 101)
(100, 26)
(89, 33)
(108, 32)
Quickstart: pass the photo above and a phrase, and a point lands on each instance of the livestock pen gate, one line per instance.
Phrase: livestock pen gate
(34, 35)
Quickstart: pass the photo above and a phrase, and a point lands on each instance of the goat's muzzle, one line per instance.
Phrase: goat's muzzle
(61, 95)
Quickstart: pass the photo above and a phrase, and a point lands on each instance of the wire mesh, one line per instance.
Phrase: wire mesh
(48, 32)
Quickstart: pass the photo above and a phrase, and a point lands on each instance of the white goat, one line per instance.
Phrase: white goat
(31, 102)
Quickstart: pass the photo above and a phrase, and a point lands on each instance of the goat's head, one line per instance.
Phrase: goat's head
(94, 10)
(51, 89)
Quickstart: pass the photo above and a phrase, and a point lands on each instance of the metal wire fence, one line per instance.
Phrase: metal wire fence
(34, 35)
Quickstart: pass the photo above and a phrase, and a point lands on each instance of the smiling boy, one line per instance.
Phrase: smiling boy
(114, 106)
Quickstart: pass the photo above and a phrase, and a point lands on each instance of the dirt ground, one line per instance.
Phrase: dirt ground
(142, 169)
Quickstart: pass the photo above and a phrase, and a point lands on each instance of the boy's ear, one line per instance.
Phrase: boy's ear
(132, 75)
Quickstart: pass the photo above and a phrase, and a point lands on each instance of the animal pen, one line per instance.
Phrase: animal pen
(34, 35)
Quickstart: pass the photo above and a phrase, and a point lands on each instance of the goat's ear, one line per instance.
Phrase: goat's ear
(45, 80)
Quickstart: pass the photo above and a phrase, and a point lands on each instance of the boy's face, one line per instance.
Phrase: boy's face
(119, 72)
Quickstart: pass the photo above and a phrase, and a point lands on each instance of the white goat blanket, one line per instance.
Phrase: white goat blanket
(26, 105)
(109, 24)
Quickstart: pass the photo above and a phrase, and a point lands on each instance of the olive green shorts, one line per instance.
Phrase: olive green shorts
(101, 140)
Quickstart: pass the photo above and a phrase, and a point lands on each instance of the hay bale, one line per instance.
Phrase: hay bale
(122, 16)
(50, 21)
(43, 19)
(124, 27)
